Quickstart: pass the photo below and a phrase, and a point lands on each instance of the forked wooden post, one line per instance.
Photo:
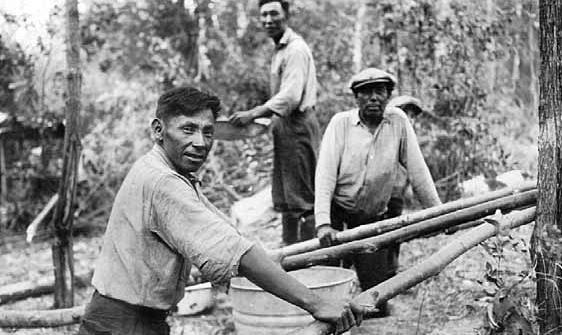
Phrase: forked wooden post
(63, 215)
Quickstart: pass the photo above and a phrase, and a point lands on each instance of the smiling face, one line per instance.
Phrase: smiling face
(371, 100)
(186, 140)
(273, 19)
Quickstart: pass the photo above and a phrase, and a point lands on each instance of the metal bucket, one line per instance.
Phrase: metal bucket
(258, 312)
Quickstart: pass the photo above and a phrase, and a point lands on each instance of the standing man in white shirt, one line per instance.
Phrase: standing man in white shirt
(363, 155)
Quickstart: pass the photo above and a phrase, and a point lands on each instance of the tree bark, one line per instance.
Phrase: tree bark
(546, 247)
(62, 219)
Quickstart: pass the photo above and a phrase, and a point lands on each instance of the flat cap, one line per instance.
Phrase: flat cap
(371, 75)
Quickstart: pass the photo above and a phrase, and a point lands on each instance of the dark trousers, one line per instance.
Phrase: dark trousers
(296, 139)
(107, 316)
(372, 268)
(298, 226)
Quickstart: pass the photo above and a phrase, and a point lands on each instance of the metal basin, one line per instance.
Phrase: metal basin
(258, 312)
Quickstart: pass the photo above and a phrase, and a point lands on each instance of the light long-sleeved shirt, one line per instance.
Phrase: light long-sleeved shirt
(358, 169)
(293, 76)
(160, 225)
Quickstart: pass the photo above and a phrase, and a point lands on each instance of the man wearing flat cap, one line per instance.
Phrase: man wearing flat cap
(363, 156)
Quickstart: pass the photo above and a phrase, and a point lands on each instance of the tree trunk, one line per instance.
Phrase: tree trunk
(532, 53)
(357, 37)
(545, 244)
(62, 219)
(3, 179)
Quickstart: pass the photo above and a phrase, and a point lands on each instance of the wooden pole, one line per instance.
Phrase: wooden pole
(429, 267)
(405, 220)
(409, 232)
(63, 215)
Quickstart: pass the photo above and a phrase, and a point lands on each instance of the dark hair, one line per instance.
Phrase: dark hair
(186, 101)
(284, 4)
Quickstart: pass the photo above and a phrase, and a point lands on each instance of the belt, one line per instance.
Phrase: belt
(144, 311)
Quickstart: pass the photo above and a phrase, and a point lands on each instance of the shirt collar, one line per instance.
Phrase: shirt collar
(356, 120)
(160, 153)
(287, 37)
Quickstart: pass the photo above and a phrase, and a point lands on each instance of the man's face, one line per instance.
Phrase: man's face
(187, 140)
(273, 19)
(371, 100)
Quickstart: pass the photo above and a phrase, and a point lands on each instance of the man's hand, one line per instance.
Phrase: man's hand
(341, 313)
(327, 235)
(242, 118)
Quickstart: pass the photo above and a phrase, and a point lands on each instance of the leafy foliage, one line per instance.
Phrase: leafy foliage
(457, 57)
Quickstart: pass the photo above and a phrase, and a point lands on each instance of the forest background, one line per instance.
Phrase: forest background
(474, 66)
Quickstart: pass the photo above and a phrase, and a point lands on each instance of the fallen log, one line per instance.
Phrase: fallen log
(429, 267)
(410, 232)
(28, 289)
(405, 220)
(40, 318)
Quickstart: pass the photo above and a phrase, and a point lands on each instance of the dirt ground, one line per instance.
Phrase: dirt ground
(454, 302)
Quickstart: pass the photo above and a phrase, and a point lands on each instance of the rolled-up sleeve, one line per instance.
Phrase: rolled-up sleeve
(293, 82)
(327, 173)
(418, 173)
(190, 228)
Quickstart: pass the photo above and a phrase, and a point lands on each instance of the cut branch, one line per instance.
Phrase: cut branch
(429, 267)
(34, 226)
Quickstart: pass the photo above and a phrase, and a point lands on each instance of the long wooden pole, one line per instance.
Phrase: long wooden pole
(405, 220)
(429, 267)
(409, 232)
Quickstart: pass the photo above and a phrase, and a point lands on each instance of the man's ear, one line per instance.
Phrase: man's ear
(157, 129)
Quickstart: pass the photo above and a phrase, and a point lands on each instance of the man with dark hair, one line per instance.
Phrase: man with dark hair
(365, 154)
(295, 129)
(161, 225)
